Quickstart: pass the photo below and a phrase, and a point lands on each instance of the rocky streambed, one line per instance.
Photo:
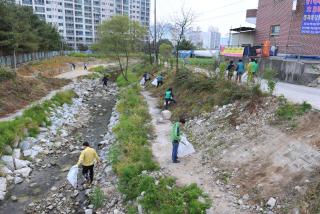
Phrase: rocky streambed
(34, 177)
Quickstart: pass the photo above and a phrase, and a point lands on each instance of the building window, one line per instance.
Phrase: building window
(275, 30)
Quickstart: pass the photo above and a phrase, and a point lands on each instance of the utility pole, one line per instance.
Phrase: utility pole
(155, 33)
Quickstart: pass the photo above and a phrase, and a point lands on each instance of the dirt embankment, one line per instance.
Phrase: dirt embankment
(35, 80)
(253, 155)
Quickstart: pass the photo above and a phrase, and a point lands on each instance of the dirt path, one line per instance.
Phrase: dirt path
(80, 72)
(191, 169)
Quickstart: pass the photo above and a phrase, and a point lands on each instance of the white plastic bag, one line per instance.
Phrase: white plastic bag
(73, 176)
(143, 81)
(155, 82)
(185, 147)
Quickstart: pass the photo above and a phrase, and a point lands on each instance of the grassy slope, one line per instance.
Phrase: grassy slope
(28, 124)
(132, 155)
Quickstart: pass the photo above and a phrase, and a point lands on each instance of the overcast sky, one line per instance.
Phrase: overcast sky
(221, 14)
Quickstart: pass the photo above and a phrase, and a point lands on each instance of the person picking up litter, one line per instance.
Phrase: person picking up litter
(87, 159)
(176, 138)
(168, 97)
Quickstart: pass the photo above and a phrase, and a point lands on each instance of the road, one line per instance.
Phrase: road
(297, 93)
(294, 93)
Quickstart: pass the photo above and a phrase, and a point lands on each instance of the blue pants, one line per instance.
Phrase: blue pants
(175, 146)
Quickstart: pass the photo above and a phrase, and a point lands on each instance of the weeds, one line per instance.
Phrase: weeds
(6, 74)
(197, 93)
(28, 124)
(132, 155)
(202, 62)
(270, 75)
(97, 198)
(289, 111)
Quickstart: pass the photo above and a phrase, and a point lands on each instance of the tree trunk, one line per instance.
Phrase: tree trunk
(127, 64)
(121, 68)
(14, 60)
(177, 58)
(150, 55)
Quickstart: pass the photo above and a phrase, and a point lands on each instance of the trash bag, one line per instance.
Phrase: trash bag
(143, 81)
(155, 82)
(73, 176)
(185, 147)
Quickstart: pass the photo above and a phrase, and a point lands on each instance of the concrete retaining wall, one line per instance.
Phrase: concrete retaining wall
(296, 72)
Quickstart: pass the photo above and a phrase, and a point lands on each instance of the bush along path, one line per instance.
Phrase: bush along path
(146, 187)
(33, 179)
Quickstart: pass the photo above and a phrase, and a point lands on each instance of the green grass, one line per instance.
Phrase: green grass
(197, 93)
(132, 155)
(28, 124)
(97, 198)
(6, 74)
(202, 62)
(289, 111)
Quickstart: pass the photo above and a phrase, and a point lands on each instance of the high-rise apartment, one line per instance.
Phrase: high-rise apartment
(77, 20)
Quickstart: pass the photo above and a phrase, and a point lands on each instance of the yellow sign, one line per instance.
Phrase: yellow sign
(232, 51)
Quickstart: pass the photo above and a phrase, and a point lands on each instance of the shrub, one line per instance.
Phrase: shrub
(6, 74)
(288, 111)
(270, 75)
(132, 155)
(97, 198)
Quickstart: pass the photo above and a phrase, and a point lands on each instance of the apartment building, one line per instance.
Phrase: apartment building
(77, 20)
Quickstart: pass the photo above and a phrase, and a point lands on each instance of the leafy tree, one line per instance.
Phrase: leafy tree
(23, 31)
(165, 41)
(120, 36)
(165, 51)
(186, 45)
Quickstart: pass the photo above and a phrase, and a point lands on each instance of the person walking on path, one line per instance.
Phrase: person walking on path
(230, 70)
(85, 66)
(87, 159)
(176, 137)
(168, 97)
(240, 70)
(159, 80)
(105, 80)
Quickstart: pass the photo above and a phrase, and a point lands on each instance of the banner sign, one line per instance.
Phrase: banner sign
(232, 51)
(311, 17)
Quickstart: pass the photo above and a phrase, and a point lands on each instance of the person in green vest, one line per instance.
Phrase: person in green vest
(168, 97)
(176, 137)
(253, 67)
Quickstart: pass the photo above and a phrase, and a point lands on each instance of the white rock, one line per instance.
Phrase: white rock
(166, 114)
(271, 203)
(25, 172)
(2, 195)
(21, 163)
(3, 184)
(5, 170)
(8, 161)
(53, 188)
(88, 211)
(16, 153)
(140, 210)
(18, 180)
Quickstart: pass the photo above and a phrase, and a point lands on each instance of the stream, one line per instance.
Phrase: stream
(46, 189)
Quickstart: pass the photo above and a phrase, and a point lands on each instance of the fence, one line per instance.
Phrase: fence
(29, 57)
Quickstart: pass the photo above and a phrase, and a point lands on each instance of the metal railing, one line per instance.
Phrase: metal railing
(8, 61)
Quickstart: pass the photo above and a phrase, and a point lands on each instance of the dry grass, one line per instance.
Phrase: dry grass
(51, 67)
(21, 91)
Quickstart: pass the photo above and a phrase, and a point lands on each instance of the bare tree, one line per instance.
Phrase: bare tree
(152, 40)
(182, 23)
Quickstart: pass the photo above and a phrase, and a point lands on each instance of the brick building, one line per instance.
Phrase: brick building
(280, 22)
